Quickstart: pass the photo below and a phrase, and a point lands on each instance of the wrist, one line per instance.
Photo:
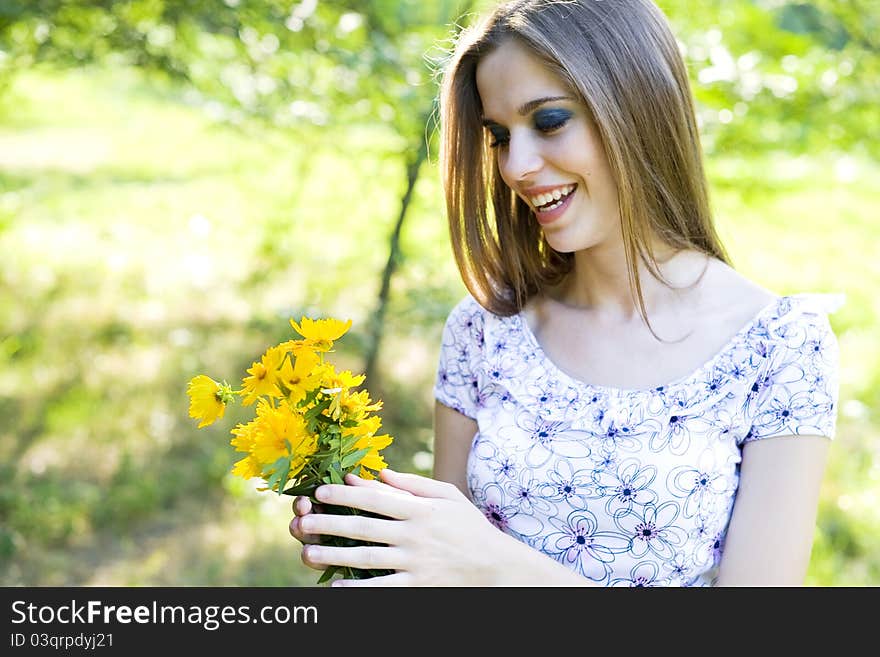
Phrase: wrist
(514, 563)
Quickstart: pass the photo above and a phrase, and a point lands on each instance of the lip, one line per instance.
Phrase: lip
(548, 217)
(543, 189)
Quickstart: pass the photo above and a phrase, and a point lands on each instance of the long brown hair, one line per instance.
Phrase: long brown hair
(621, 59)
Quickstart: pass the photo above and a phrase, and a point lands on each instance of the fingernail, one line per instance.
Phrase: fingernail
(305, 524)
(321, 493)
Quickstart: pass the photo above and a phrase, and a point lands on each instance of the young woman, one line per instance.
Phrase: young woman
(612, 395)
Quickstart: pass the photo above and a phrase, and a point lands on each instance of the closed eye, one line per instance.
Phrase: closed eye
(500, 136)
(549, 120)
(545, 121)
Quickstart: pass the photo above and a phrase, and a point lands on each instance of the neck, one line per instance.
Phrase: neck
(599, 282)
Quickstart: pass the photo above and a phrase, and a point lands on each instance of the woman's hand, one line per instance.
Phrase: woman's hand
(302, 506)
(434, 535)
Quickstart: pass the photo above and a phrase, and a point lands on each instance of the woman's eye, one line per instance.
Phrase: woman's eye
(550, 120)
(499, 138)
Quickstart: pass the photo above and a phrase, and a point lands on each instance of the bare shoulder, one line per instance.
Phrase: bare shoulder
(729, 297)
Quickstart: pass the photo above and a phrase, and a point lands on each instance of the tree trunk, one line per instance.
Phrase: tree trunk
(377, 320)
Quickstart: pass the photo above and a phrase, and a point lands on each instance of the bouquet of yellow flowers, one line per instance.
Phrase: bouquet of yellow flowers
(309, 428)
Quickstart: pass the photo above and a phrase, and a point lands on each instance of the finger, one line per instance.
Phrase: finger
(306, 559)
(364, 557)
(361, 528)
(355, 480)
(295, 529)
(418, 485)
(397, 579)
(301, 505)
(367, 498)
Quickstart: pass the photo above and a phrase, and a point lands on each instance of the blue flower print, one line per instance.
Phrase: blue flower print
(780, 412)
(538, 440)
(628, 428)
(577, 544)
(523, 493)
(498, 346)
(709, 545)
(565, 484)
(502, 464)
(780, 376)
(652, 530)
(604, 459)
(627, 485)
(723, 426)
(700, 488)
(676, 571)
(713, 383)
(490, 500)
(553, 399)
(675, 436)
(642, 575)
(504, 366)
(494, 396)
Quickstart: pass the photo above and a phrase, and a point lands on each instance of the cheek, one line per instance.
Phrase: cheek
(499, 163)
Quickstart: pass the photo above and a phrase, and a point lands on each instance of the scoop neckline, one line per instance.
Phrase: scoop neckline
(551, 365)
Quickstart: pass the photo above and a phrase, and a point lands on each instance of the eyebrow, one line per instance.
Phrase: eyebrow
(530, 106)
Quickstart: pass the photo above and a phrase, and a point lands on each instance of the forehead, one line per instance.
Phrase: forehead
(510, 76)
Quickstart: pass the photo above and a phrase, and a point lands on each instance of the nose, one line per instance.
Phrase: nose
(521, 159)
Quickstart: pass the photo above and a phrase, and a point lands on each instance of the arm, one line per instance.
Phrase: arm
(453, 434)
(771, 530)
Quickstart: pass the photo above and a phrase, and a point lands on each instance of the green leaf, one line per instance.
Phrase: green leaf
(306, 487)
(350, 459)
(327, 574)
(335, 476)
(348, 442)
(282, 481)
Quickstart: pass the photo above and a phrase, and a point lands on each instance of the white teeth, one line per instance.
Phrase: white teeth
(555, 195)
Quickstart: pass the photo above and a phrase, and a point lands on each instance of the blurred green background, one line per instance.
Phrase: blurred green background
(177, 179)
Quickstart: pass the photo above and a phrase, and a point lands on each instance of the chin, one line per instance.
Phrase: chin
(560, 244)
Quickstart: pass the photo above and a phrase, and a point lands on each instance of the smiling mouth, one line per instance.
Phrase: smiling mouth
(555, 202)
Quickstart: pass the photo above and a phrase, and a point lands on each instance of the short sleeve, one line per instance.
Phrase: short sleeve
(797, 391)
(461, 349)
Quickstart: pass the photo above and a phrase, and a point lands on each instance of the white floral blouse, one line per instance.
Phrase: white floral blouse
(631, 487)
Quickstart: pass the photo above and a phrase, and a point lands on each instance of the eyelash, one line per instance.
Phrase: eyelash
(545, 129)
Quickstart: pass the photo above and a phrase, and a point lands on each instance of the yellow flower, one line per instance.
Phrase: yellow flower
(321, 329)
(372, 459)
(302, 376)
(247, 468)
(207, 399)
(344, 379)
(281, 432)
(263, 376)
(357, 404)
(244, 436)
(320, 334)
(366, 427)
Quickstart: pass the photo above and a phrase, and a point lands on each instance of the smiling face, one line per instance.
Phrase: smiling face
(548, 149)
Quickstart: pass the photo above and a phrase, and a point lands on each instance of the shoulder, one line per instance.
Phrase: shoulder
(731, 300)
(466, 323)
(466, 313)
